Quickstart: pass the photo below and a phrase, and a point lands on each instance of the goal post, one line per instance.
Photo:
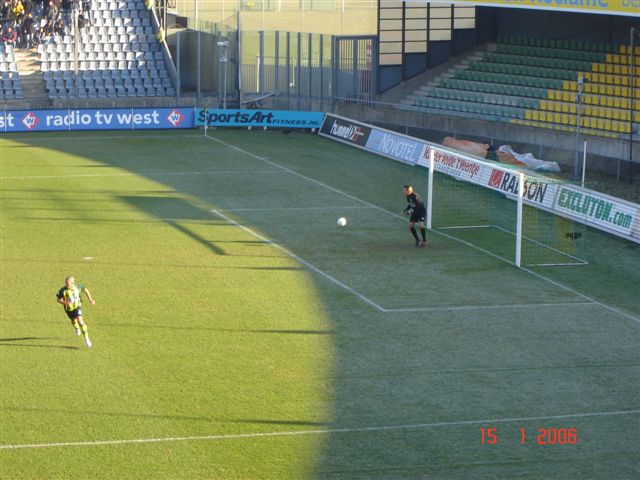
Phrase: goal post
(501, 210)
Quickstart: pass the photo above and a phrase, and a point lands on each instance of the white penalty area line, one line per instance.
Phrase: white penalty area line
(284, 209)
(383, 428)
(475, 247)
(302, 261)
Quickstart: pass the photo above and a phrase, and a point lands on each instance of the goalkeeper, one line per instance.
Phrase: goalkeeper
(415, 208)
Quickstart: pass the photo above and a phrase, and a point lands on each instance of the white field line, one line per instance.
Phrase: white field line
(304, 262)
(364, 202)
(278, 209)
(382, 428)
(445, 308)
(69, 136)
(146, 174)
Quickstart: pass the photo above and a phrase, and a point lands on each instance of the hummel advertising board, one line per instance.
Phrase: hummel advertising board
(344, 130)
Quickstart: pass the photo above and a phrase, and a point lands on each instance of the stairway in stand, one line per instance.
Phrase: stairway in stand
(31, 79)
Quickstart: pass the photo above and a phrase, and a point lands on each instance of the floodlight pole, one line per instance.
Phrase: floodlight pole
(224, 44)
(576, 161)
(632, 97)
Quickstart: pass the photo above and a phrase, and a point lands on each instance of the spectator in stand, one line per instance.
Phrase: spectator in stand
(86, 9)
(10, 36)
(27, 31)
(51, 10)
(65, 9)
(38, 8)
(18, 11)
(28, 7)
(5, 11)
(58, 28)
(82, 21)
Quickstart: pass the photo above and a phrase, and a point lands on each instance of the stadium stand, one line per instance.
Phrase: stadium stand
(534, 82)
(116, 55)
(10, 86)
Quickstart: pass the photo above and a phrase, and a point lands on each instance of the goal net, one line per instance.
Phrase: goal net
(500, 210)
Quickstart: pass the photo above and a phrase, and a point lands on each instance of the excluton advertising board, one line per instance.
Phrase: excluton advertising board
(258, 118)
(96, 119)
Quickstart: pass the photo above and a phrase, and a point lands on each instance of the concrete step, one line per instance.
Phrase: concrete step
(31, 79)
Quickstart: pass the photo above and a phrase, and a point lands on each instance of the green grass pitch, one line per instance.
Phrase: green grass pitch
(240, 334)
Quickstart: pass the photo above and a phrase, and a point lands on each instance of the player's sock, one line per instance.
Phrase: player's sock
(84, 329)
(424, 234)
(414, 233)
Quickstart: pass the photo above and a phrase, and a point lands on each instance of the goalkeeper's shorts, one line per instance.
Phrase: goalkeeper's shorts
(418, 215)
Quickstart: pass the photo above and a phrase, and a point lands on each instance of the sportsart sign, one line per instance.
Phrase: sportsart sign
(345, 131)
(92, 119)
(259, 118)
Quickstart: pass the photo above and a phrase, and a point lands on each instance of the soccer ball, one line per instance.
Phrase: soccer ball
(342, 222)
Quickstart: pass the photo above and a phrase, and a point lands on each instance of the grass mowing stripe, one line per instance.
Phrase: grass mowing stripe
(485, 307)
(304, 262)
(147, 174)
(353, 197)
(382, 428)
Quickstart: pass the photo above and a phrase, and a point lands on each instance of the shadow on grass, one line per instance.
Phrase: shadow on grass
(9, 342)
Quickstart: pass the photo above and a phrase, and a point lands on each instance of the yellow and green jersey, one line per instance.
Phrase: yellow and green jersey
(72, 294)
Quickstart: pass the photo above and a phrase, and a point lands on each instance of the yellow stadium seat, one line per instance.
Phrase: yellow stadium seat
(600, 123)
(535, 115)
(593, 122)
(557, 118)
(528, 114)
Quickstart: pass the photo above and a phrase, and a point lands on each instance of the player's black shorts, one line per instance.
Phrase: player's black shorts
(418, 215)
(73, 314)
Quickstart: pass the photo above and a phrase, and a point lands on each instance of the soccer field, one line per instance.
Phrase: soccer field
(238, 333)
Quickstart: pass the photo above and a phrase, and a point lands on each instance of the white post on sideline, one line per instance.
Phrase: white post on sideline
(584, 162)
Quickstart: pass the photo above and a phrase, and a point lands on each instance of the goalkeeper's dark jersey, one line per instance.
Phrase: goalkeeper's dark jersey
(415, 203)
